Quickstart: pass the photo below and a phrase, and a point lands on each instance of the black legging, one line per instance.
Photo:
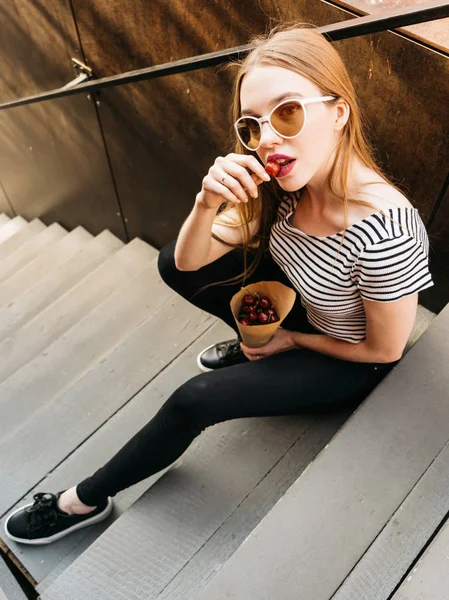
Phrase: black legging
(291, 382)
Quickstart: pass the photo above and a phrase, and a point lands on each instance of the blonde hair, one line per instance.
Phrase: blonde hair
(303, 50)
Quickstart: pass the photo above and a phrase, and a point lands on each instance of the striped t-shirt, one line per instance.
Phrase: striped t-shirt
(378, 260)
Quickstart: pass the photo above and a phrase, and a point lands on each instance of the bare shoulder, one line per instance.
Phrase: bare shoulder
(384, 196)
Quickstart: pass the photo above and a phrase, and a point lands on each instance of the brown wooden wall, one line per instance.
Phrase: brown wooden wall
(132, 158)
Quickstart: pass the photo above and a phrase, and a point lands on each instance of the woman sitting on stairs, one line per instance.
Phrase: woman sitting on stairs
(330, 225)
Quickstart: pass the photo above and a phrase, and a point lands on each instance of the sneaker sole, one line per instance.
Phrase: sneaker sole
(54, 538)
(201, 367)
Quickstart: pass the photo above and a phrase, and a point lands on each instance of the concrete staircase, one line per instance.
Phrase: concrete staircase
(92, 343)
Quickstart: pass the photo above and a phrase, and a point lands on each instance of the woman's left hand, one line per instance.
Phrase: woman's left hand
(280, 342)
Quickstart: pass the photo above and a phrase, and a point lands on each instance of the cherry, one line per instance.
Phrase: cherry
(244, 322)
(265, 302)
(263, 318)
(249, 300)
(272, 168)
(252, 316)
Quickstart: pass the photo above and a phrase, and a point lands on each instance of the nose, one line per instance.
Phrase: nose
(268, 137)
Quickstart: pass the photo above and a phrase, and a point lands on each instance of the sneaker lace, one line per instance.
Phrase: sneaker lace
(42, 510)
(230, 348)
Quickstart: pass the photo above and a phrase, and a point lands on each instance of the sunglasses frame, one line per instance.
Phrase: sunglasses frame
(267, 119)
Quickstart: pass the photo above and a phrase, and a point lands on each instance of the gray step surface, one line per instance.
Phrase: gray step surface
(8, 229)
(107, 408)
(38, 269)
(20, 464)
(315, 535)
(429, 579)
(22, 345)
(9, 588)
(28, 251)
(58, 282)
(70, 356)
(22, 236)
(392, 555)
(196, 515)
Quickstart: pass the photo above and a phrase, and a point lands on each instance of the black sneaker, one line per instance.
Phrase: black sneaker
(223, 354)
(43, 522)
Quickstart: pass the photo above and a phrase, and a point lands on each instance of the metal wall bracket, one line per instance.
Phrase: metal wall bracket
(84, 73)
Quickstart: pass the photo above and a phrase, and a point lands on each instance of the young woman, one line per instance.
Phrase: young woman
(330, 225)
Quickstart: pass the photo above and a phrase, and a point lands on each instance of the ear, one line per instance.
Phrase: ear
(342, 112)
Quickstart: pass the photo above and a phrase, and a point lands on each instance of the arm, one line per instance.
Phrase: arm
(196, 233)
(195, 246)
(388, 327)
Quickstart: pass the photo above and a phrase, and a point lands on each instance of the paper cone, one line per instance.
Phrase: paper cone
(282, 298)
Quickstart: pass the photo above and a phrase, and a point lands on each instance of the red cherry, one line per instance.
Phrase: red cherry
(272, 168)
(263, 318)
(265, 302)
(252, 316)
(274, 319)
(249, 300)
(244, 322)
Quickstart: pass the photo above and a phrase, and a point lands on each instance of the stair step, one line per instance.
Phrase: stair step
(38, 269)
(58, 282)
(391, 556)
(101, 419)
(9, 588)
(78, 345)
(4, 219)
(52, 322)
(10, 228)
(28, 251)
(430, 578)
(198, 512)
(22, 236)
(61, 363)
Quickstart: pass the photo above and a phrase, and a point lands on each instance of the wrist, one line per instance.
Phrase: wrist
(296, 337)
(201, 206)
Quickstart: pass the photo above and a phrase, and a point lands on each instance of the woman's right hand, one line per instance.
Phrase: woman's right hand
(229, 179)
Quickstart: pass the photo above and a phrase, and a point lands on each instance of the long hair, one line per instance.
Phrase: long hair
(307, 52)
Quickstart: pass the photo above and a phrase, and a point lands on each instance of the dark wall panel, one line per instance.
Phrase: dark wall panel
(38, 39)
(52, 159)
(438, 296)
(164, 134)
(53, 165)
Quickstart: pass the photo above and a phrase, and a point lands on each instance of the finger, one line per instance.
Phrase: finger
(250, 162)
(227, 180)
(217, 188)
(237, 178)
(257, 180)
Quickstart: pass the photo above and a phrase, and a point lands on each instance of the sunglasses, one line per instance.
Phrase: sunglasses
(287, 119)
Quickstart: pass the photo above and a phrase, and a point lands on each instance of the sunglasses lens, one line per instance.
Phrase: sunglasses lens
(249, 132)
(288, 118)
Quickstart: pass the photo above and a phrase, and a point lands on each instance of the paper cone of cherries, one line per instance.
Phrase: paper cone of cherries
(259, 309)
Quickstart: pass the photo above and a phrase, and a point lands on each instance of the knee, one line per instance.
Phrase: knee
(166, 260)
(191, 403)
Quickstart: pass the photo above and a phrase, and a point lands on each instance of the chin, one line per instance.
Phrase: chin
(291, 185)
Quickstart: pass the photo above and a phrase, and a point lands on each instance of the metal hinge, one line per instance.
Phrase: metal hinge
(84, 73)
